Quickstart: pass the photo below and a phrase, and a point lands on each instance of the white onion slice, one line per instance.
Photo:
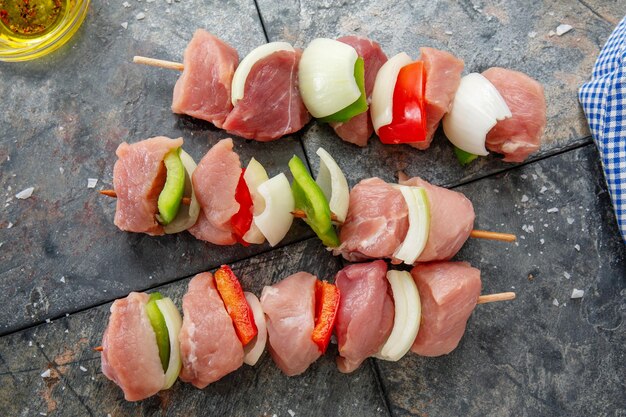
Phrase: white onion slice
(276, 219)
(174, 322)
(419, 225)
(381, 109)
(334, 185)
(246, 64)
(254, 349)
(476, 108)
(254, 176)
(187, 215)
(326, 77)
(408, 313)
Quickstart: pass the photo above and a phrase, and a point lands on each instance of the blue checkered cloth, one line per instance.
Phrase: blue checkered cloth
(604, 101)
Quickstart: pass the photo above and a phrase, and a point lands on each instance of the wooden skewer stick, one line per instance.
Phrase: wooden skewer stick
(480, 234)
(486, 234)
(300, 214)
(111, 193)
(158, 63)
(98, 349)
(492, 298)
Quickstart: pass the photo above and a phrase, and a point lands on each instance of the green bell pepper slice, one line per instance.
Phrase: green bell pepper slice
(160, 328)
(463, 156)
(310, 198)
(360, 105)
(174, 188)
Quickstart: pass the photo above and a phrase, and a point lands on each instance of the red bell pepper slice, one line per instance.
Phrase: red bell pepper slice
(242, 220)
(326, 306)
(408, 123)
(236, 305)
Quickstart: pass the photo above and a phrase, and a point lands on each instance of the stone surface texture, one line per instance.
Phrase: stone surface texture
(62, 260)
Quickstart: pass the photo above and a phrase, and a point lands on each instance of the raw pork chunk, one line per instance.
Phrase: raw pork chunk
(215, 182)
(138, 179)
(209, 346)
(451, 221)
(365, 315)
(203, 90)
(289, 308)
(130, 355)
(271, 106)
(448, 292)
(376, 223)
(520, 135)
(359, 129)
(443, 76)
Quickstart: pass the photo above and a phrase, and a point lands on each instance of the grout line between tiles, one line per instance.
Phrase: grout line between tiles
(62, 315)
(258, 10)
(586, 141)
(380, 385)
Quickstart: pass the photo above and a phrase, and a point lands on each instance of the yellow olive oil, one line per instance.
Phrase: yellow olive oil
(33, 28)
(30, 18)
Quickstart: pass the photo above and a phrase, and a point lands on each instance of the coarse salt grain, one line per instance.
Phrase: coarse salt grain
(140, 16)
(524, 198)
(497, 49)
(62, 280)
(570, 220)
(577, 293)
(24, 194)
(125, 25)
(563, 29)
(552, 210)
(542, 241)
(126, 4)
(532, 34)
(555, 302)
(577, 247)
(567, 275)
(291, 413)
(543, 190)
(46, 373)
(82, 368)
(91, 182)
(448, 32)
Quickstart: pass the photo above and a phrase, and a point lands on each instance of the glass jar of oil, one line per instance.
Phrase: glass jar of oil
(30, 29)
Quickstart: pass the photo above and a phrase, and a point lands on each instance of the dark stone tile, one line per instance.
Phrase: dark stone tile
(484, 34)
(66, 116)
(529, 357)
(250, 391)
